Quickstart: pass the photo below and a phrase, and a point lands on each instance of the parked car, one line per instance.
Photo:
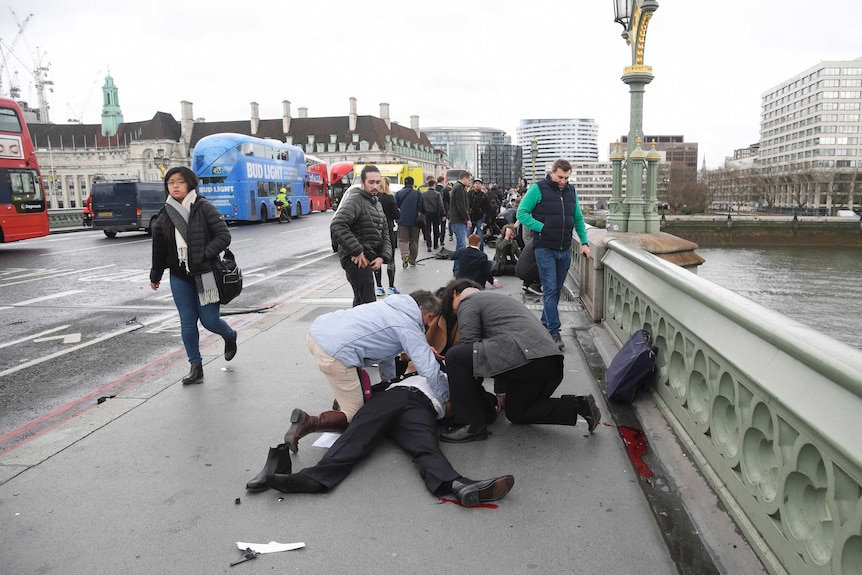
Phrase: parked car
(126, 206)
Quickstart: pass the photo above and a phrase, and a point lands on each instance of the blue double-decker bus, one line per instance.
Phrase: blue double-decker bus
(241, 175)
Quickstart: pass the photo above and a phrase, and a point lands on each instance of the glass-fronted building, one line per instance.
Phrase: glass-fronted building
(573, 139)
(487, 153)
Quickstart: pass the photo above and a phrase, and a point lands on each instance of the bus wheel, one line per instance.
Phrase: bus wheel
(110, 234)
(263, 216)
(298, 210)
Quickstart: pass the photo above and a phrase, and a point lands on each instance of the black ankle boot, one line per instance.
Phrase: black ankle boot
(278, 461)
(196, 375)
(230, 347)
(294, 483)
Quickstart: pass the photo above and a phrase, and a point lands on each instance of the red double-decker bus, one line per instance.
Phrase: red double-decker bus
(23, 210)
(317, 177)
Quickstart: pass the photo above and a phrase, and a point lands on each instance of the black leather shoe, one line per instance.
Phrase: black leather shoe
(588, 409)
(294, 483)
(463, 434)
(195, 375)
(277, 461)
(230, 347)
(471, 493)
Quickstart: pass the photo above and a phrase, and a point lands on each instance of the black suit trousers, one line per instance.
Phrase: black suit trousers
(528, 391)
(407, 416)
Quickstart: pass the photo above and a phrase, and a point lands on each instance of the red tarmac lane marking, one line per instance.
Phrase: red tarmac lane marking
(45, 423)
(54, 419)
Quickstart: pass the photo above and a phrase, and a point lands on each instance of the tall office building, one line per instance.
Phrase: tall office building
(812, 120)
(677, 153)
(487, 153)
(573, 139)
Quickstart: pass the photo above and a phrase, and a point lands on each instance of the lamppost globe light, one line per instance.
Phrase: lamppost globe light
(623, 13)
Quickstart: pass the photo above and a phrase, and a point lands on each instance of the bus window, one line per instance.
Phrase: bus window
(9, 121)
(24, 185)
(247, 149)
(273, 189)
(262, 189)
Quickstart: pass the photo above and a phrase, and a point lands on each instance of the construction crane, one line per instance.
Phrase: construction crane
(14, 91)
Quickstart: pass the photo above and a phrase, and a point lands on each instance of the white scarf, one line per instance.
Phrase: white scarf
(205, 282)
(182, 246)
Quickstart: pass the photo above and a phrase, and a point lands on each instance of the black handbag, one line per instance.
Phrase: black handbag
(228, 276)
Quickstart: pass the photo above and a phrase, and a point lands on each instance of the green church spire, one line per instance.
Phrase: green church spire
(112, 116)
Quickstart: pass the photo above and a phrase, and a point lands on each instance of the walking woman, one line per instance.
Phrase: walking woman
(390, 208)
(188, 235)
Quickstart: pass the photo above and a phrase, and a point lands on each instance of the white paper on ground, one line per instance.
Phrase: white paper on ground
(326, 439)
(271, 547)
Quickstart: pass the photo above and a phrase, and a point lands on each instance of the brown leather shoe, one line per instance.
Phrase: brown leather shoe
(302, 424)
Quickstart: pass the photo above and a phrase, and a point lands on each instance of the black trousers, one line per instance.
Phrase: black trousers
(528, 391)
(362, 282)
(407, 416)
(432, 229)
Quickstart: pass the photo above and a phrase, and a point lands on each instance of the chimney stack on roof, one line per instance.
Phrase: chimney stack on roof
(352, 118)
(285, 116)
(255, 118)
(414, 125)
(303, 112)
(384, 114)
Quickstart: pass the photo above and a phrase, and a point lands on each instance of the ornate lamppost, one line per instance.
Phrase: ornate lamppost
(634, 214)
(161, 161)
(534, 152)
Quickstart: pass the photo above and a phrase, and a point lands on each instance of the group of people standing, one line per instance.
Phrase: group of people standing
(432, 350)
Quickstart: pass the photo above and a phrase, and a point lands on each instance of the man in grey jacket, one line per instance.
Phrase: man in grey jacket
(500, 338)
(360, 231)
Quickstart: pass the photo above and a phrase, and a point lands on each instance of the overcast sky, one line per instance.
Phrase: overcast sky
(453, 63)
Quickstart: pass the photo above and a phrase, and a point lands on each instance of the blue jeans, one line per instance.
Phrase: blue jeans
(189, 305)
(477, 229)
(460, 231)
(553, 266)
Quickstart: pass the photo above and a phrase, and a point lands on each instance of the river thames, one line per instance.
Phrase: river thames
(818, 286)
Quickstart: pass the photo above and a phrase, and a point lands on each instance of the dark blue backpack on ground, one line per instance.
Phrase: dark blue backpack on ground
(631, 367)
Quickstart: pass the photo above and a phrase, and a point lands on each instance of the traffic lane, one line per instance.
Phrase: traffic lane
(72, 318)
(58, 373)
(80, 274)
(68, 366)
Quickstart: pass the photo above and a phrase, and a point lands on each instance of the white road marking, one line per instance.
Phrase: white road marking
(67, 338)
(35, 335)
(47, 297)
(12, 283)
(99, 247)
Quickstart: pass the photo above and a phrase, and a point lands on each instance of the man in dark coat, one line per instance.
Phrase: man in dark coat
(433, 210)
(459, 210)
(499, 337)
(444, 194)
(359, 229)
(411, 204)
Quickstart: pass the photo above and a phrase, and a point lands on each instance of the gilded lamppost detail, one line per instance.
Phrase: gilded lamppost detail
(161, 161)
(634, 16)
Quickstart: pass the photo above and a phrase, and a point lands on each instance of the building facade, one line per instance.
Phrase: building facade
(810, 143)
(594, 183)
(74, 156)
(487, 153)
(573, 139)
